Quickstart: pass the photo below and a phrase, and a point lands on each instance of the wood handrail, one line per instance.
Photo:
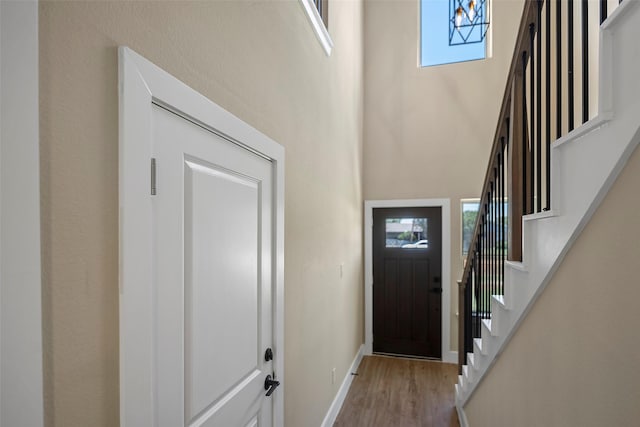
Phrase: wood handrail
(529, 16)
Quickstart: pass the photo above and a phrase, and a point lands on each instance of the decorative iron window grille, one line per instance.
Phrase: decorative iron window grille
(468, 21)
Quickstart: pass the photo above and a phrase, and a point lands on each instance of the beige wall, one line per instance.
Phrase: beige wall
(574, 360)
(428, 131)
(261, 61)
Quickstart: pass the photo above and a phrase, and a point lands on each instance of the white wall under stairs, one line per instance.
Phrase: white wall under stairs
(585, 164)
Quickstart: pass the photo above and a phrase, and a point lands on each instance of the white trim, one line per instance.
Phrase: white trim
(619, 12)
(462, 416)
(445, 204)
(338, 401)
(539, 215)
(450, 356)
(318, 26)
(594, 124)
(140, 84)
(21, 401)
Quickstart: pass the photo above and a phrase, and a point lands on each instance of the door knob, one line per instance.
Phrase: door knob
(436, 290)
(270, 385)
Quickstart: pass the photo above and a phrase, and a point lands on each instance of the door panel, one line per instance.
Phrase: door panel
(212, 224)
(407, 253)
(221, 247)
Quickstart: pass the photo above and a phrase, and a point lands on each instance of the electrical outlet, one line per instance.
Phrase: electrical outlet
(333, 376)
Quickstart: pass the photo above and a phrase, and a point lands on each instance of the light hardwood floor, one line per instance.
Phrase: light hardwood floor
(400, 392)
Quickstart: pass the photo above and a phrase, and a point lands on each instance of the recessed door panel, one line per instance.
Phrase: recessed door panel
(221, 282)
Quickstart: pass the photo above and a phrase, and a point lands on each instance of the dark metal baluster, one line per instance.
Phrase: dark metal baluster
(483, 278)
(478, 278)
(548, 115)
(585, 61)
(504, 151)
(558, 68)
(503, 214)
(499, 220)
(603, 10)
(486, 265)
(570, 63)
(487, 254)
(524, 134)
(539, 110)
(469, 313)
(499, 225)
(467, 328)
(532, 154)
(489, 248)
(491, 234)
(490, 252)
(495, 231)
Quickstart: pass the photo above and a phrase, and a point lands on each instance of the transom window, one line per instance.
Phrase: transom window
(318, 13)
(439, 38)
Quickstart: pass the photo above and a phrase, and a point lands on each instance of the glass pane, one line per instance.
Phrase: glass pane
(407, 233)
(469, 208)
(469, 215)
(434, 43)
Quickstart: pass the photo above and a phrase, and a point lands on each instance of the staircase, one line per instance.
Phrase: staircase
(584, 164)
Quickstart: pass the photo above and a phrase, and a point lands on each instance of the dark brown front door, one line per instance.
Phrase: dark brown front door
(407, 285)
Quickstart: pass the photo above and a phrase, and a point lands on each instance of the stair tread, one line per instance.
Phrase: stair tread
(466, 373)
(478, 343)
(539, 215)
(518, 265)
(471, 360)
(487, 323)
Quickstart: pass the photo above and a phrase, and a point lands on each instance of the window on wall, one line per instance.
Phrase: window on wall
(318, 13)
(323, 10)
(436, 48)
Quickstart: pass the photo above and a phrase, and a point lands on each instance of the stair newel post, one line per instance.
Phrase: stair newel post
(514, 169)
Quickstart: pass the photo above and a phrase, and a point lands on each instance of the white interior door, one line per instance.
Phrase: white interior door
(212, 268)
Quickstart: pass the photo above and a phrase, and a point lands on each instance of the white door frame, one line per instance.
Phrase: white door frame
(21, 401)
(447, 355)
(141, 84)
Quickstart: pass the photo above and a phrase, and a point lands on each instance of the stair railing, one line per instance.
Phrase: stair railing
(550, 87)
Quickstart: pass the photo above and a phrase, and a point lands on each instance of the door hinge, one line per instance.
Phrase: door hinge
(153, 176)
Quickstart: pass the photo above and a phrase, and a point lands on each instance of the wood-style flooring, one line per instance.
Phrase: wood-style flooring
(400, 392)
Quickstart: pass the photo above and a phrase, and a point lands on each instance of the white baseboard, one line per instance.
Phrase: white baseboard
(450, 357)
(462, 416)
(336, 405)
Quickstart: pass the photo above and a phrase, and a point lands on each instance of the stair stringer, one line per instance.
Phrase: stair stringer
(585, 164)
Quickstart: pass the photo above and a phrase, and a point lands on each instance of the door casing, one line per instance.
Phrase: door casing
(21, 378)
(448, 355)
(142, 84)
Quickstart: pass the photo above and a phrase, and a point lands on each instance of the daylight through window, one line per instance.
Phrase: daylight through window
(435, 46)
